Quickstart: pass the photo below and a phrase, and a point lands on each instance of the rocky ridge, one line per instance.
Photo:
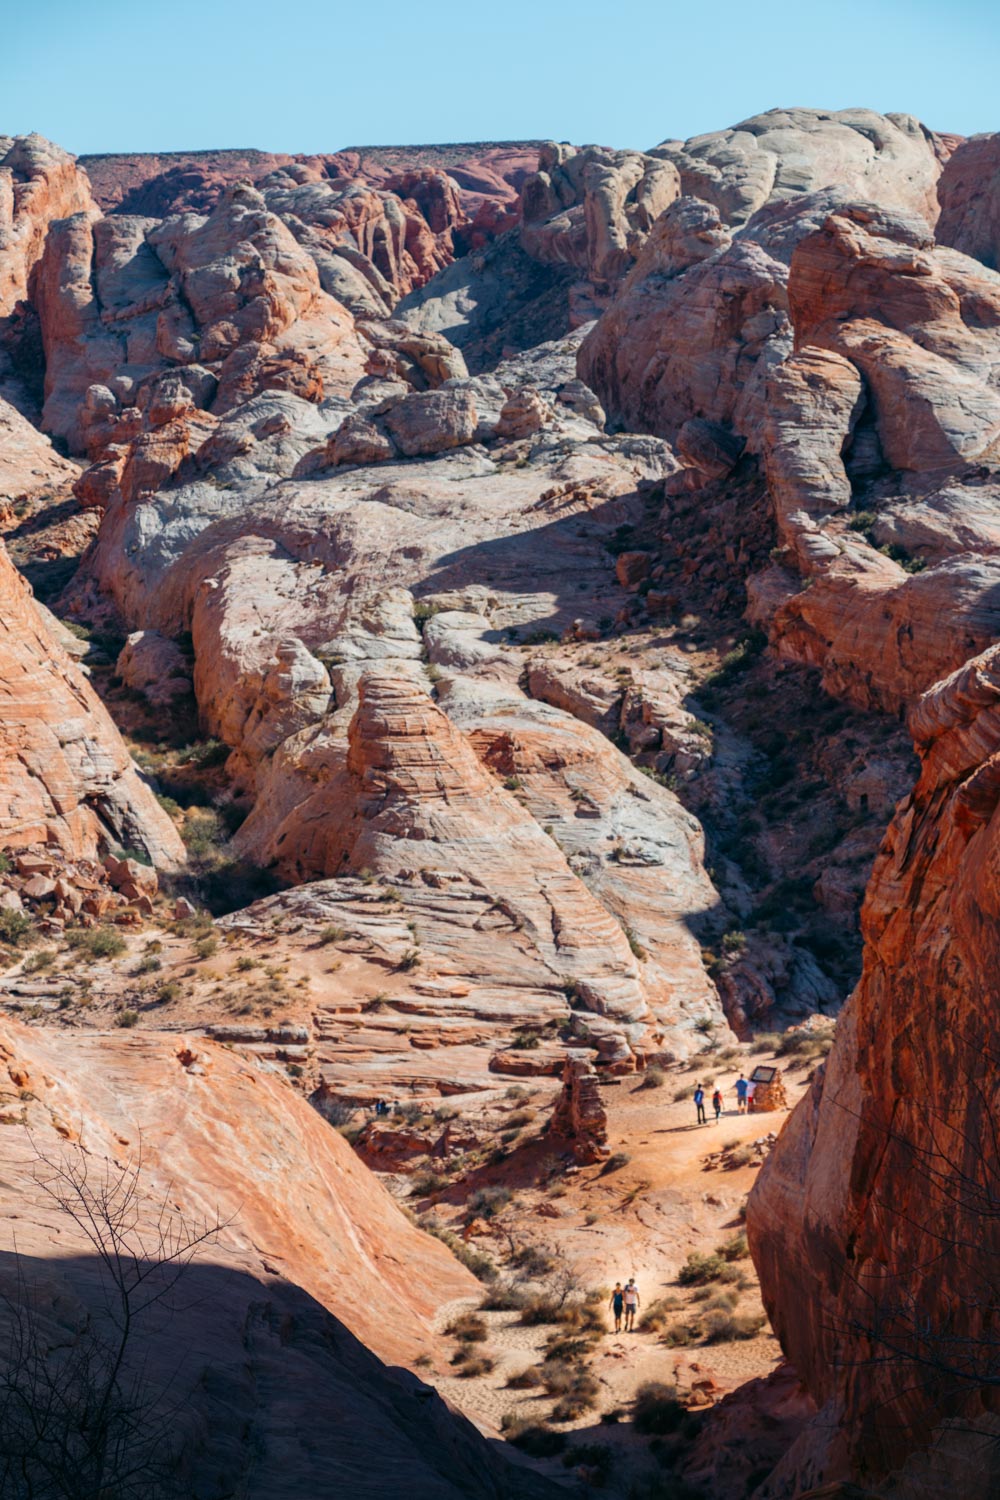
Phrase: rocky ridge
(756, 372)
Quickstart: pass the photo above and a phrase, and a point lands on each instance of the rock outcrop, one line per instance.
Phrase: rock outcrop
(39, 184)
(579, 1115)
(276, 1355)
(65, 775)
(873, 1223)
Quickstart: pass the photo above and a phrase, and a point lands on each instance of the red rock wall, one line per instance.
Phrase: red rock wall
(875, 1223)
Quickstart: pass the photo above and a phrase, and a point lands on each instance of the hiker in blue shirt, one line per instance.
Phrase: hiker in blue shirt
(741, 1095)
(699, 1099)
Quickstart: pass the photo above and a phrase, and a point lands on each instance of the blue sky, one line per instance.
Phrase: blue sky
(318, 74)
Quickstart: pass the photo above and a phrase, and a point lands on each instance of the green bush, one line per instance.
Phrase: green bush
(127, 1018)
(699, 1269)
(14, 928)
(96, 942)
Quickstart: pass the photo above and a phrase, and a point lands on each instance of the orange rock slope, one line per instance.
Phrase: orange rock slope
(261, 1356)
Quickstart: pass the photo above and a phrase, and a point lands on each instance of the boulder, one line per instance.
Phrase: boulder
(155, 666)
(433, 421)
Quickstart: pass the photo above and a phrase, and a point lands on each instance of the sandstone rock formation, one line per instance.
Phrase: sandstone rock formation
(443, 622)
(872, 1223)
(65, 775)
(267, 1355)
(579, 1115)
(39, 183)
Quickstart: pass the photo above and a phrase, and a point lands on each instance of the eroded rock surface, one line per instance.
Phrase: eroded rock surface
(65, 775)
(292, 1316)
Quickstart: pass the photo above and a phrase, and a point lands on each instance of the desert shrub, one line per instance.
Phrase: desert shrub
(520, 1118)
(615, 1162)
(525, 1380)
(682, 1334)
(533, 1438)
(699, 1268)
(203, 833)
(148, 964)
(478, 1364)
(14, 928)
(540, 1310)
(734, 1249)
(568, 1348)
(531, 1260)
(557, 1378)
(656, 1409)
(96, 942)
(468, 1327)
(427, 1183)
(654, 1078)
(687, 1092)
(479, 1263)
(487, 1202)
(331, 934)
(656, 1316)
(638, 951)
(127, 1018)
(722, 1301)
(167, 992)
(546, 1308)
(722, 1327)
(576, 1388)
(206, 946)
(503, 1299)
(35, 963)
(525, 1041)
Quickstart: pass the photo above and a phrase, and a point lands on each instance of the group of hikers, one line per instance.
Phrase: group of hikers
(625, 1303)
(745, 1089)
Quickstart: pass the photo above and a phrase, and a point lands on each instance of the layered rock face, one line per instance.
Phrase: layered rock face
(874, 1222)
(855, 358)
(276, 1355)
(65, 775)
(39, 183)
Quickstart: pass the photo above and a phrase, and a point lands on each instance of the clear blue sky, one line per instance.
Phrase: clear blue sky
(130, 75)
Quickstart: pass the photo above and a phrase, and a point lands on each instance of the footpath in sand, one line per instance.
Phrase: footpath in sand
(668, 1200)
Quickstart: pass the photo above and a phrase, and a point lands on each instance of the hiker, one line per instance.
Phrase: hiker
(751, 1090)
(617, 1304)
(717, 1104)
(631, 1304)
(741, 1095)
(699, 1102)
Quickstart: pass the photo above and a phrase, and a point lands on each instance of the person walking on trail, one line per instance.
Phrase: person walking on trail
(717, 1105)
(617, 1305)
(631, 1304)
(751, 1090)
(699, 1104)
(741, 1095)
